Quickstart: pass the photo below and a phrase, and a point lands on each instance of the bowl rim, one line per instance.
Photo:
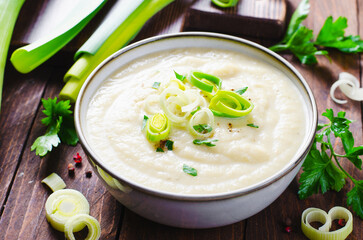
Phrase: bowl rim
(200, 197)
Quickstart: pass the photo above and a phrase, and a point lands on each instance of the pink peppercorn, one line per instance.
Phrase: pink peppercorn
(288, 229)
(77, 158)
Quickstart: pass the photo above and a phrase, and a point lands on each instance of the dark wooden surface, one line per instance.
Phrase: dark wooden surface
(22, 196)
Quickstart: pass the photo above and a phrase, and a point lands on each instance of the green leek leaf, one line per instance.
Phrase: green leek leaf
(27, 58)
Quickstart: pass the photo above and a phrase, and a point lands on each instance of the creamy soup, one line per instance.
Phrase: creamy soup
(244, 155)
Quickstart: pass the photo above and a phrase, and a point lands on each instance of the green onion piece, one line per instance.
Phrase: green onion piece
(189, 170)
(54, 182)
(241, 90)
(323, 233)
(63, 204)
(179, 76)
(225, 3)
(252, 125)
(94, 227)
(27, 58)
(230, 104)
(156, 85)
(157, 127)
(205, 81)
(201, 124)
(127, 28)
(169, 145)
(207, 142)
(9, 10)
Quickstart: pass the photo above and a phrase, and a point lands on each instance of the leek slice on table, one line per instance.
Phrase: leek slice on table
(54, 182)
(94, 228)
(63, 204)
(230, 104)
(157, 127)
(27, 58)
(128, 26)
(9, 10)
(318, 215)
(349, 85)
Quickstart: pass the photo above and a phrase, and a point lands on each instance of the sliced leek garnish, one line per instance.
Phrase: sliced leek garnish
(230, 104)
(172, 100)
(63, 204)
(349, 85)
(225, 3)
(318, 215)
(157, 127)
(94, 228)
(204, 81)
(176, 83)
(203, 117)
(54, 182)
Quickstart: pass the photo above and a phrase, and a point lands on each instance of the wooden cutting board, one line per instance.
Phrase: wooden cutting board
(253, 18)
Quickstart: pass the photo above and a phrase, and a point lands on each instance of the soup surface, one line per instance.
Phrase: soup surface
(244, 155)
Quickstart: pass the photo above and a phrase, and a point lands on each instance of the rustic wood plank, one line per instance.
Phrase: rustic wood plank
(21, 95)
(320, 78)
(137, 228)
(24, 216)
(259, 19)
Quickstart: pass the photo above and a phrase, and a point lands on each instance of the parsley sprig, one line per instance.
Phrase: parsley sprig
(322, 170)
(60, 123)
(300, 39)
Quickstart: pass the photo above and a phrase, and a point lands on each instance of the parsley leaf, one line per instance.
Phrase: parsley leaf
(180, 76)
(60, 124)
(203, 128)
(156, 85)
(252, 125)
(319, 171)
(332, 35)
(144, 122)
(241, 91)
(189, 170)
(208, 143)
(355, 198)
(169, 145)
(300, 40)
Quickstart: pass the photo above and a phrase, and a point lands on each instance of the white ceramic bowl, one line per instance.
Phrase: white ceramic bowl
(196, 211)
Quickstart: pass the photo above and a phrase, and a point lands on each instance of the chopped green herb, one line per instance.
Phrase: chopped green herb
(196, 110)
(169, 145)
(189, 170)
(208, 143)
(180, 77)
(252, 125)
(159, 149)
(144, 122)
(300, 40)
(241, 91)
(319, 171)
(203, 128)
(60, 124)
(156, 85)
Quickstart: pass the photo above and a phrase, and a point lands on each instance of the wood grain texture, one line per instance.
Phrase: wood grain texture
(22, 196)
(21, 95)
(253, 18)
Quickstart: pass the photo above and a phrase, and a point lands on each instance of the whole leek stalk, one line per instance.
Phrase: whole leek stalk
(9, 11)
(133, 21)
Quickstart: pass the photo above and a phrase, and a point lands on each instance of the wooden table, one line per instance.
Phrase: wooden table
(22, 196)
